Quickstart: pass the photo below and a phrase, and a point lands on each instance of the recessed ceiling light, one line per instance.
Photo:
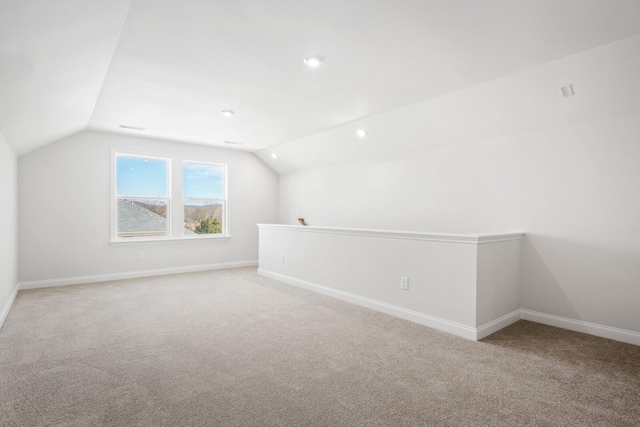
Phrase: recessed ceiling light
(131, 127)
(233, 143)
(313, 61)
(361, 133)
(226, 113)
(274, 156)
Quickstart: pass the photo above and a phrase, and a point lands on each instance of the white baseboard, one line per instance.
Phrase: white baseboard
(7, 307)
(403, 313)
(497, 324)
(464, 331)
(616, 334)
(36, 284)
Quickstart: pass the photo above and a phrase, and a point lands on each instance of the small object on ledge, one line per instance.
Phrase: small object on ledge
(301, 221)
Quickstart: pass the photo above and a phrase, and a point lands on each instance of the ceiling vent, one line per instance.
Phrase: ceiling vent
(567, 91)
(131, 127)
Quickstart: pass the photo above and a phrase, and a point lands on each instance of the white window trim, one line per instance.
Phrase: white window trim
(175, 165)
(224, 200)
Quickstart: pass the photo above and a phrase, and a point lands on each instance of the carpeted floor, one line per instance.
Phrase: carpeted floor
(227, 348)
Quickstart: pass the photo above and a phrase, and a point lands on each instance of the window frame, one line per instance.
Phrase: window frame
(224, 200)
(175, 190)
(115, 197)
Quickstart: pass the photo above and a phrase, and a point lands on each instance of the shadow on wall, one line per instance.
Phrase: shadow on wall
(579, 281)
(541, 288)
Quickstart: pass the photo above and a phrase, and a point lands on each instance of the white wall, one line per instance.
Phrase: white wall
(498, 274)
(509, 154)
(371, 266)
(64, 202)
(463, 284)
(8, 226)
(573, 189)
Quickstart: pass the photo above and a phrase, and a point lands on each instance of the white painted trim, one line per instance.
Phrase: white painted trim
(403, 313)
(408, 235)
(115, 153)
(198, 237)
(497, 324)
(224, 199)
(7, 307)
(36, 284)
(616, 334)
(496, 238)
(458, 329)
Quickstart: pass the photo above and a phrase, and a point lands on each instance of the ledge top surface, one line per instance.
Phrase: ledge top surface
(394, 234)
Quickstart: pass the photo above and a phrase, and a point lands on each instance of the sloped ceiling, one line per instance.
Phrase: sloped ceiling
(604, 81)
(54, 56)
(171, 66)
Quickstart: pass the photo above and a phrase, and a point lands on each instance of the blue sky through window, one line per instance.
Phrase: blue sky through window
(202, 181)
(138, 176)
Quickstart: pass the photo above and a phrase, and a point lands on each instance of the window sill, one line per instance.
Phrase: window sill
(165, 240)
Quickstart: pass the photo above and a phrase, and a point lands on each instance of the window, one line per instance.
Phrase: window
(203, 198)
(142, 196)
(147, 194)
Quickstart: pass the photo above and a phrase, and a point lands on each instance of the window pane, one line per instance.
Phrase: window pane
(142, 217)
(203, 217)
(203, 181)
(138, 176)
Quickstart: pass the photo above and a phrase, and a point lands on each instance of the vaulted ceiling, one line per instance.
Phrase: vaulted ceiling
(171, 66)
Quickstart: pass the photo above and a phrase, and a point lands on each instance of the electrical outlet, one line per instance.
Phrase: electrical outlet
(281, 257)
(140, 255)
(404, 283)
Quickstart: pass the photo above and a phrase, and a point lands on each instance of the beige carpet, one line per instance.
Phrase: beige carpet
(229, 348)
